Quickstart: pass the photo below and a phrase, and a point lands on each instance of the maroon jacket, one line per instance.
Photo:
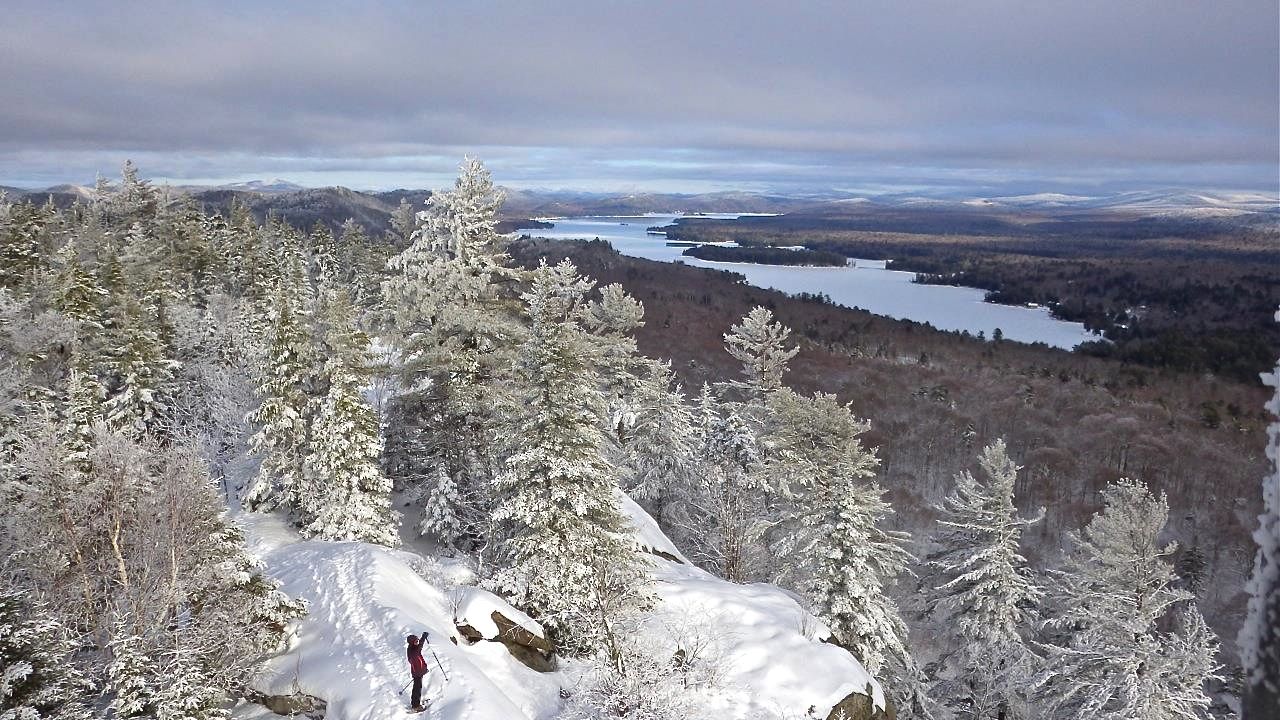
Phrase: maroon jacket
(417, 665)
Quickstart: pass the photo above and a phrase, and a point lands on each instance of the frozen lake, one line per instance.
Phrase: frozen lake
(866, 285)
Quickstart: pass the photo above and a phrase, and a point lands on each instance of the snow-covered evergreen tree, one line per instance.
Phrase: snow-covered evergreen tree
(759, 342)
(133, 677)
(185, 693)
(1260, 635)
(659, 443)
(1111, 659)
(283, 439)
(830, 532)
(455, 323)
(37, 679)
(564, 551)
(985, 596)
(717, 517)
(76, 292)
(142, 393)
(346, 496)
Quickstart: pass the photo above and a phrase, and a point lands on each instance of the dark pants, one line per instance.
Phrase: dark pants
(417, 690)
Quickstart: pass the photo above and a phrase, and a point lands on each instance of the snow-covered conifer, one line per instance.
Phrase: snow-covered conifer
(985, 596)
(1112, 659)
(717, 517)
(346, 496)
(76, 292)
(133, 677)
(759, 342)
(141, 395)
(659, 443)
(1260, 634)
(37, 680)
(282, 439)
(185, 693)
(455, 325)
(830, 527)
(564, 553)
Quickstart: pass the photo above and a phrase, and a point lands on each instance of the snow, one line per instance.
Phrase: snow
(767, 644)
(364, 599)
(648, 536)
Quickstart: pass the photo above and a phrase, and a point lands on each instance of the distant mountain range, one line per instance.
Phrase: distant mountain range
(332, 206)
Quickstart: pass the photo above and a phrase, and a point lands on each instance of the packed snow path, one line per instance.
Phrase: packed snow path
(364, 600)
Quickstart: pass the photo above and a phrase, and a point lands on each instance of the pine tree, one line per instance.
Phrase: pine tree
(987, 598)
(831, 525)
(564, 553)
(659, 443)
(759, 343)
(455, 323)
(717, 516)
(1260, 635)
(77, 293)
(142, 393)
(1112, 661)
(441, 517)
(83, 409)
(23, 227)
(185, 693)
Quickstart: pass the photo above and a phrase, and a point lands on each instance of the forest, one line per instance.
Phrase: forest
(1191, 296)
(990, 530)
(766, 255)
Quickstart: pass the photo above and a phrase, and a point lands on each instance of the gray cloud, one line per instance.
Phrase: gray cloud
(714, 93)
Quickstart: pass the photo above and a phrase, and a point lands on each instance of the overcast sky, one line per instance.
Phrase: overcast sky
(997, 96)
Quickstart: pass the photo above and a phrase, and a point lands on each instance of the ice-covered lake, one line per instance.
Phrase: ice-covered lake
(866, 284)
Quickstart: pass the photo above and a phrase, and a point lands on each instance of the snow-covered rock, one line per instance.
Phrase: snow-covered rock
(481, 615)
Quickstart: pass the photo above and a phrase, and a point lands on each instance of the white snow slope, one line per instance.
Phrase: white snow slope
(364, 599)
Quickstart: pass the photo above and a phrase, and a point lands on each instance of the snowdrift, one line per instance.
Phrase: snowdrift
(768, 652)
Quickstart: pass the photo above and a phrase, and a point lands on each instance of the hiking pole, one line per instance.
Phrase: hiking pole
(406, 687)
(437, 657)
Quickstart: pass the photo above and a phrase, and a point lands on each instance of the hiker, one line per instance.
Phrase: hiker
(417, 666)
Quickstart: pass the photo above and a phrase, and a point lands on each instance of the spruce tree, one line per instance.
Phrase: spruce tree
(346, 496)
(1111, 659)
(1260, 635)
(985, 597)
(659, 443)
(283, 419)
(565, 554)
(37, 678)
(133, 677)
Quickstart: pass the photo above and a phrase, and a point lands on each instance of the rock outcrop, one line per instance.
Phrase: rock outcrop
(860, 706)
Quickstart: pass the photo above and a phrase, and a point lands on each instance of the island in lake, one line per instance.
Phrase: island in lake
(767, 255)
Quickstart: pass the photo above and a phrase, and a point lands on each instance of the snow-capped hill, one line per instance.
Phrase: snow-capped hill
(81, 191)
(766, 653)
(1041, 200)
(274, 185)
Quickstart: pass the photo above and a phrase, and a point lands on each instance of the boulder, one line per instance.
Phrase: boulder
(860, 706)
(483, 616)
(295, 705)
(533, 650)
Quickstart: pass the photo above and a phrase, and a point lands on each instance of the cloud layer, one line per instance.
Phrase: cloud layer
(645, 94)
